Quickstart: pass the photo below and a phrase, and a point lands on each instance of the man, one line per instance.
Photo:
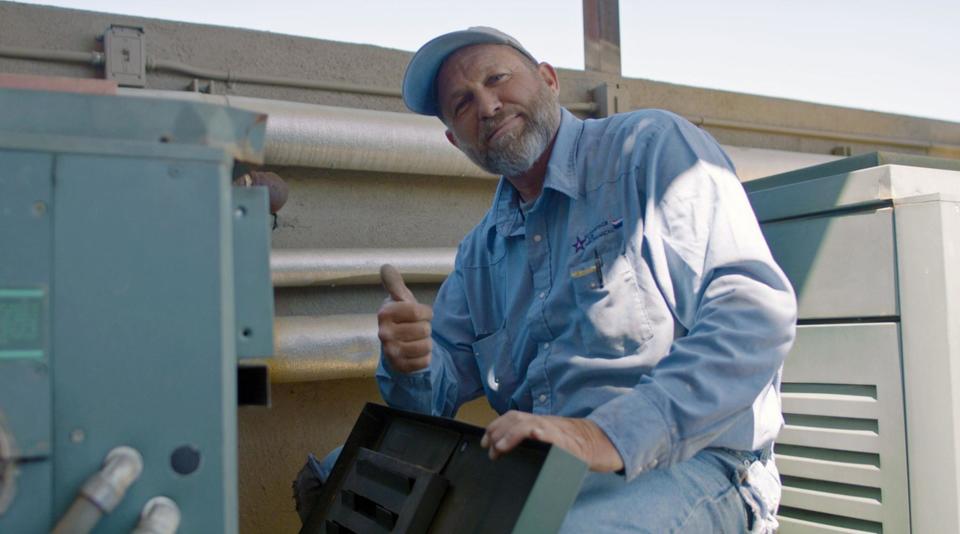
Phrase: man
(618, 300)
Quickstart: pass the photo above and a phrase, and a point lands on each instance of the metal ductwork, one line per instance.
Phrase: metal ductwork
(324, 348)
(303, 267)
(310, 135)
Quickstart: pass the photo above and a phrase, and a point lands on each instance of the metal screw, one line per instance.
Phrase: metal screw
(77, 435)
(240, 212)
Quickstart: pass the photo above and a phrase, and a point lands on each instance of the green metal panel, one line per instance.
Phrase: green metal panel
(843, 450)
(841, 265)
(30, 509)
(251, 264)
(117, 228)
(151, 121)
(847, 165)
(555, 490)
(25, 397)
(145, 352)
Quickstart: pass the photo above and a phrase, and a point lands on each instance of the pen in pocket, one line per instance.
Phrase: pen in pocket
(598, 263)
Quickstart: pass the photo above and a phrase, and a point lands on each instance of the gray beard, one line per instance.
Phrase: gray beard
(515, 152)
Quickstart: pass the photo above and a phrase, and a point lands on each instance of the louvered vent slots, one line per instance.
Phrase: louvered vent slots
(829, 458)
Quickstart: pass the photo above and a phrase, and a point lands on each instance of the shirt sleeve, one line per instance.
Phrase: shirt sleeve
(713, 266)
(452, 377)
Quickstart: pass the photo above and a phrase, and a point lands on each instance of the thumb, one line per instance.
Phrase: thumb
(393, 283)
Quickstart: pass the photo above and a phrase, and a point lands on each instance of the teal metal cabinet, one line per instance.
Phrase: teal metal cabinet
(132, 277)
(871, 392)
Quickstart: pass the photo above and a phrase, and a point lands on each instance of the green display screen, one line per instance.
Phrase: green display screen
(21, 323)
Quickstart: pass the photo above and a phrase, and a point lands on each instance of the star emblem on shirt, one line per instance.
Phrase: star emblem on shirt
(579, 244)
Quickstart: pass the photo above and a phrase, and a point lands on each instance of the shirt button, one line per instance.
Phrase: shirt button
(542, 398)
(546, 346)
(496, 379)
(543, 294)
(593, 285)
(537, 238)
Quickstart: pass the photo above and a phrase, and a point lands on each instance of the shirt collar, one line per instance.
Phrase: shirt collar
(561, 176)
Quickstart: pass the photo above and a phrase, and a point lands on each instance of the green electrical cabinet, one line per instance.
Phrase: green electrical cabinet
(871, 389)
(133, 278)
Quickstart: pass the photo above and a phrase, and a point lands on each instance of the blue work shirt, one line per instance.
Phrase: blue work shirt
(637, 291)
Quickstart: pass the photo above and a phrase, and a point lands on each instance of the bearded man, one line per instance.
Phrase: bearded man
(617, 300)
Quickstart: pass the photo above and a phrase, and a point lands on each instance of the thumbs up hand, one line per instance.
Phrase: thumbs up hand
(404, 325)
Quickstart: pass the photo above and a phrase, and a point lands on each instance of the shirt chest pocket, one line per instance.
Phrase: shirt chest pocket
(611, 318)
(496, 368)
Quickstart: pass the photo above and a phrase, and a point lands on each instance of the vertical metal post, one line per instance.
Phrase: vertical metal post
(601, 35)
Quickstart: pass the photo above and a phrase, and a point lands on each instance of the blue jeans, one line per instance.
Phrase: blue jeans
(699, 495)
(718, 490)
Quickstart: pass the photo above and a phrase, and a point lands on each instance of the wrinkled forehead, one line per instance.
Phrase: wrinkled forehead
(473, 63)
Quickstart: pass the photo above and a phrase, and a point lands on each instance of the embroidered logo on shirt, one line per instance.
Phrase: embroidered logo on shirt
(595, 233)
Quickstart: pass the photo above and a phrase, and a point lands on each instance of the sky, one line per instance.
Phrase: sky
(896, 56)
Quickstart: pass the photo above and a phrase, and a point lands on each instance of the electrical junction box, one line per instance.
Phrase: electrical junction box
(134, 280)
(125, 56)
(872, 246)
(409, 473)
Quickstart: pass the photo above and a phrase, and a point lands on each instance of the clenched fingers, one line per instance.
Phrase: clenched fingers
(404, 331)
(404, 312)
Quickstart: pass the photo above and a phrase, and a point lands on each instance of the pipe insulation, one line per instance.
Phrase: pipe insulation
(306, 267)
(327, 347)
(310, 135)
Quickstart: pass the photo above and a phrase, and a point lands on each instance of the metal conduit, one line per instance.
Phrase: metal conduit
(63, 56)
(328, 347)
(96, 59)
(230, 76)
(304, 267)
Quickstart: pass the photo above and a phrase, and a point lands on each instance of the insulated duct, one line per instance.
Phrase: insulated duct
(304, 267)
(310, 135)
(328, 347)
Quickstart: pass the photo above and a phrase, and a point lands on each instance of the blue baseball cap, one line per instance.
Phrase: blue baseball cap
(420, 79)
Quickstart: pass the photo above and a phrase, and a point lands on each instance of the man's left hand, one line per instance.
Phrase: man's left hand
(580, 437)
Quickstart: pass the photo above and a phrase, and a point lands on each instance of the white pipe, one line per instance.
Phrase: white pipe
(102, 492)
(310, 135)
(160, 515)
(304, 267)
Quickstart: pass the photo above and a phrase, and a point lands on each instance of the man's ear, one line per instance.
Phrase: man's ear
(451, 138)
(545, 70)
